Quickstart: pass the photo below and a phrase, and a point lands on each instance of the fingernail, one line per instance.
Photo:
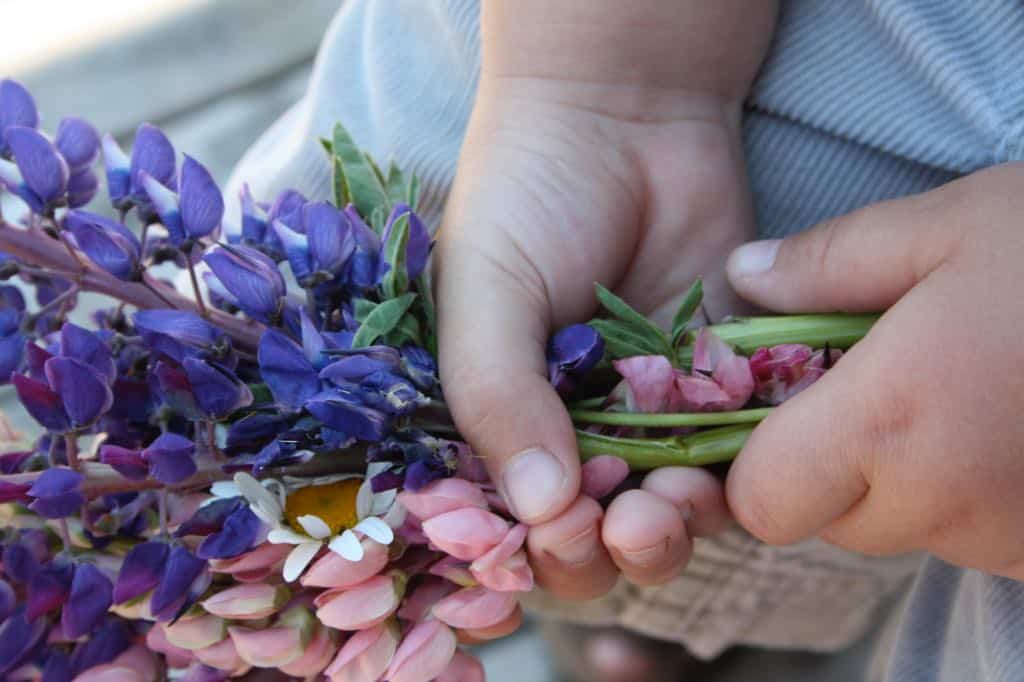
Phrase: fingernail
(754, 258)
(649, 556)
(531, 482)
(577, 551)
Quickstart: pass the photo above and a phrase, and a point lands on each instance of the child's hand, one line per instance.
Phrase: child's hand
(560, 186)
(915, 440)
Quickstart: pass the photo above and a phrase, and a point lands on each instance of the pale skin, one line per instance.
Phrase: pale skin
(604, 146)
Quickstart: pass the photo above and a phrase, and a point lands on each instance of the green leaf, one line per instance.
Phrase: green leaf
(396, 281)
(360, 177)
(412, 194)
(622, 341)
(261, 393)
(395, 184)
(327, 145)
(429, 310)
(341, 195)
(406, 331)
(382, 320)
(379, 218)
(363, 309)
(639, 325)
(691, 301)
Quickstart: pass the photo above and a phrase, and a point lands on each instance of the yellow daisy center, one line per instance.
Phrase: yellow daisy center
(334, 503)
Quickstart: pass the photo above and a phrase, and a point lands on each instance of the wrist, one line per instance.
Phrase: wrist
(693, 45)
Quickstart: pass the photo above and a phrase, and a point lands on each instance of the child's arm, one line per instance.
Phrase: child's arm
(604, 146)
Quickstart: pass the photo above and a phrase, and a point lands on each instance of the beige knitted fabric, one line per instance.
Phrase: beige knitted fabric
(737, 590)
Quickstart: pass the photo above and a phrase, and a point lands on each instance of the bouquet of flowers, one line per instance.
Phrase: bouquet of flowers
(261, 472)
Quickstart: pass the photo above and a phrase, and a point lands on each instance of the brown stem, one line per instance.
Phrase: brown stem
(195, 285)
(102, 479)
(36, 248)
(71, 450)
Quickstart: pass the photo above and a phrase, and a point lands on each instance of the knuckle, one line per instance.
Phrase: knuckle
(758, 513)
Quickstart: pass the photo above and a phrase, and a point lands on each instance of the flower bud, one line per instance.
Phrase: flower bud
(170, 458)
(223, 656)
(156, 641)
(252, 278)
(202, 205)
(366, 655)
(247, 602)
(511, 575)
(475, 608)
(442, 496)
(278, 645)
(467, 533)
(424, 653)
(318, 654)
(254, 565)
(463, 668)
(77, 141)
(363, 606)
(195, 633)
(334, 571)
(56, 493)
(43, 170)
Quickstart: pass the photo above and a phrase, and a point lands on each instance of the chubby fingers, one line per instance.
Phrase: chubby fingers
(567, 555)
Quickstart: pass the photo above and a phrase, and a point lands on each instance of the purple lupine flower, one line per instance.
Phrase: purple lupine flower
(202, 204)
(12, 341)
(179, 334)
(170, 458)
(88, 601)
(417, 249)
(330, 237)
(126, 461)
(118, 170)
(13, 492)
(8, 600)
(210, 517)
(88, 348)
(56, 667)
(57, 493)
(22, 561)
(19, 640)
(296, 250)
(253, 431)
(106, 242)
(75, 398)
(141, 571)
(78, 142)
(218, 392)
(344, 410)
(362, 271)
(353, 368)
(252, 278)
(287, 371)
(17, 108)
(572, 352)
(43, 171)
(390, 393)
(171, 385)
(254, 219)
(287, 208)
(239, 533)
(420, 366)
(49, 588)
(82, 187)
(163, 201)
(153, 156)
(110, 640)
(185, 578)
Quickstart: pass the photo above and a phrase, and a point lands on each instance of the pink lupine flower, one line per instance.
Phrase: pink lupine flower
(442, 496)
(469, 466)
(721, 379)
(223, 656)
(475, 608)
(424, 653)
(454, 570)
(648, 384)
(333, 570)
(512, 575)
(255, 565)
(156, 641)
(466, 533)
(195, 633)
(505, 567)
(417, 605)
(318, 654)
(603, 474)
(365, 656)
(278, 645)
(136, 664)
(462, 668)
(248, 602)
(782, 371)
(362, 606)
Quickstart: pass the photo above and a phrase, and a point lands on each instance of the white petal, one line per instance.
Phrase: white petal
(225, 489)
(315, 526)
(374, 468)
(382, 502)
(286, 536)
(364, 500)
(348, 546)
(298, 559)
(257, 495)
(376, 529)
(395, 516)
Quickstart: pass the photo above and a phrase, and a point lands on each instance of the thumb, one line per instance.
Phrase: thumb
(492, 331)
(861, 262)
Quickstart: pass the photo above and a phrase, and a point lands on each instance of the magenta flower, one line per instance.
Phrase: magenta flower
(782, 371)
(721, 379)
(649, 384)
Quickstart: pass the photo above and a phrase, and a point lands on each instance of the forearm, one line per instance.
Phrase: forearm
(713, 47)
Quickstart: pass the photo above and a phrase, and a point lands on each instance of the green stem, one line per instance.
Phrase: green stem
(643, 454)
(670, 420)
(838, 330)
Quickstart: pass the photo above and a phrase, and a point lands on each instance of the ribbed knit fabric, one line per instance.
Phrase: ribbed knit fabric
(859, 101)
